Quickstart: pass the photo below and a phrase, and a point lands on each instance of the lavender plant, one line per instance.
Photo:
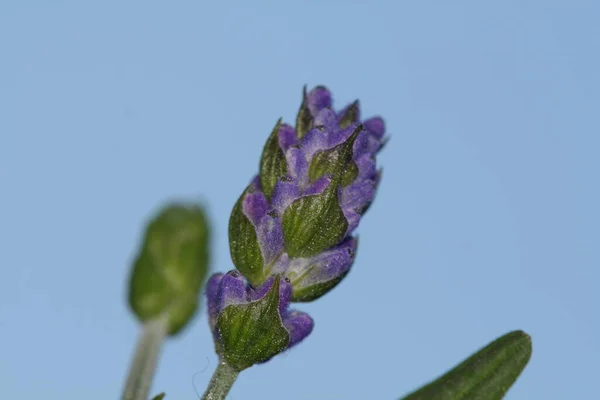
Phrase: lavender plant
(291, 237)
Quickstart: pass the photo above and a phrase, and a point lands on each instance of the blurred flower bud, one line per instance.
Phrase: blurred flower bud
(171, 266)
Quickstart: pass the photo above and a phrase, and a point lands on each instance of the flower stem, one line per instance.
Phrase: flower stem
(145, 358)
(221, 382)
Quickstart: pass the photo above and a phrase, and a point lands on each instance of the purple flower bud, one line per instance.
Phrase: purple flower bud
(230, 289)
(318, 99)
(299, 325)
(212, 293)
(316, 181)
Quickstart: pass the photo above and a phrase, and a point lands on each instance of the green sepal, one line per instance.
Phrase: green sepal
(486, 375)
(243, 244)
(273, 165)
(171, 266)
(350, 115)
(159, 396)
(304, 119)
(314, 223)
(252, 333)
(335, 160)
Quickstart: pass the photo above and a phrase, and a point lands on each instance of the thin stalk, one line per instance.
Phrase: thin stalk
(145, 359)
(221, 382)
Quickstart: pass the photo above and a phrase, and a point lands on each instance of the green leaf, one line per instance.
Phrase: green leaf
(171, 266)
(350, 115)
(304, 119)
(272, 162)
(243, 244)
(252, 333)
(159, 397)
(486, 375)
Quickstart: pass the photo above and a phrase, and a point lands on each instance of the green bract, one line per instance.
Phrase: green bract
(350, 115)
(272, 162)
(304, 119)
(243, 244)
(312, 224)
(329, 161)
(252, 333)
(171, 266)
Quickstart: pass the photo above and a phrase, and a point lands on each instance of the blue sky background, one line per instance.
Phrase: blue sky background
(486, 221)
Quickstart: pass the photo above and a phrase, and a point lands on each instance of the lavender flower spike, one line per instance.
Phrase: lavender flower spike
(251, 325)
(316, 181)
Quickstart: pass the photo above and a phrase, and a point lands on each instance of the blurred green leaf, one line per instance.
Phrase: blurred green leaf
(159, 396)
(171, 266)
(486, 375)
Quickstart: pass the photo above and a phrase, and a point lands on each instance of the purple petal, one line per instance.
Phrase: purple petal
(299, 325)
(315, 140)
(260, 291)
(318, 186)
(355, 198)
(327, 119)
(232, 290)
(375, 126)
(268, 228)
(297, 164)
(361, 145)
(287, 137)
(353, 218)
(318, 99)
(284, 193)
(367, 167)
(270, 236)
(212, 291)
(374, 144)
(285, 295)
(255, 207)
(338, 136)
(358, 194)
